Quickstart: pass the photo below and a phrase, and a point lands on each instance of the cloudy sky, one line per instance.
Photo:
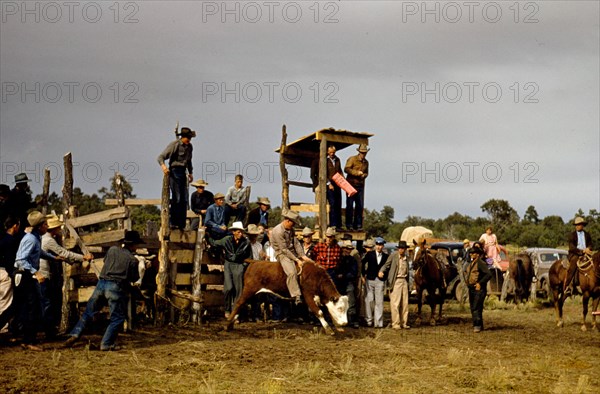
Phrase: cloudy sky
(468, 101)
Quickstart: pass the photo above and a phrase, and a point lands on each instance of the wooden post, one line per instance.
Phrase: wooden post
(285, 189)
(163, 256)
(46, 191)
(323, 186)
(197, 275)
(68, 283)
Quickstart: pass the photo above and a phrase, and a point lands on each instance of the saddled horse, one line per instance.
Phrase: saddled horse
(588, 273)
(428, 276)
(520, 271)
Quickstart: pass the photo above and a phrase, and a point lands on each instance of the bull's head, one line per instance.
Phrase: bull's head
(338, 309)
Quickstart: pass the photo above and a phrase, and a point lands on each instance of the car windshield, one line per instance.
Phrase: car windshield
(551, 257)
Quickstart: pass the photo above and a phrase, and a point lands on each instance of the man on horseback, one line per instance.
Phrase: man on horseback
(580, 245)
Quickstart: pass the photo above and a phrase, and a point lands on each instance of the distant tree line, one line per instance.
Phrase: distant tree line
(529, 231)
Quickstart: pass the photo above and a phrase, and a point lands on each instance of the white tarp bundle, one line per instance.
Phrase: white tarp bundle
(417, 233)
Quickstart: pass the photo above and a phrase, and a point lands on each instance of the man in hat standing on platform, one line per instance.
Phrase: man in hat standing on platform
(28, 279)
(580, 244)
(119, 271)
(260, 215)
(397, 271)
(357, 168)
(179, 154)
(200, 201)
(288, 251)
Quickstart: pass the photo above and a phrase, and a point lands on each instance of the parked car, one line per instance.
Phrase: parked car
(544, 258)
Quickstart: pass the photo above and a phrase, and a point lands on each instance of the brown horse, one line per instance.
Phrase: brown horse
(589, 282)
(521, 272)
(556, 278)
(428, 276)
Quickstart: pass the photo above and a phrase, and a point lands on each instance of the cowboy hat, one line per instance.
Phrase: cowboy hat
(237, 226)
(403, 245)
(36, 218)
(379, 241)
(264, 201)
(347, 244)
(132, 237)
(292, 215)
(476, 249)
(219, 196)
(253, 229)
(580, 220)
(330, 232)
(187, 132)
(199, 183)
(21, 178)
(307, 232)
(369, 243)
(363, 148)
(54, 222)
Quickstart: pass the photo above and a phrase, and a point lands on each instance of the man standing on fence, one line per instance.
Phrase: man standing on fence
(179, 154)
(119, 271)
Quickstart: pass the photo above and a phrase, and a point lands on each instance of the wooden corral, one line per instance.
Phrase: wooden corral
(312, 150)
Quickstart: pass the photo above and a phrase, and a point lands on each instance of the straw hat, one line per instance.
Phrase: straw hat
(580, 220)
(253, 229)
(199, 183)
(54, 222)
(264, 201)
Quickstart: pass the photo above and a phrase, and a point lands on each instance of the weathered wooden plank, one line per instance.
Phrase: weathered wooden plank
(195, 277)
(285, 189)
(314, 208)
(133, 201)
(99, 217)
(345, 139)
(214, 278)
(300, 184)
(183, 280)
(322, 220)
(163, 256)
(183, 236)
(181, 256)
(67, 191)
(103, 237)
(84, 293)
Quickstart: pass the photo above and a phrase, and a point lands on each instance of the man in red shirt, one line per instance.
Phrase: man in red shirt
(328, 253)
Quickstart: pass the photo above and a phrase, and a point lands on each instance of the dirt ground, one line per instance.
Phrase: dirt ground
(520, 351)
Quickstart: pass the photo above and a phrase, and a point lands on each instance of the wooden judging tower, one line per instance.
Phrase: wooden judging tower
(303, 152)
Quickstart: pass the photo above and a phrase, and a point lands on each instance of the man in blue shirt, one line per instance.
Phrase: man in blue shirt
(215, 218)
(28, 279)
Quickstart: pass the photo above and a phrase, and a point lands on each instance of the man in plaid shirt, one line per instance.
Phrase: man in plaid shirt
(328, 253)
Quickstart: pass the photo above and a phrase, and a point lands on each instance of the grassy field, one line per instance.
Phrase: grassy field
(520, 351)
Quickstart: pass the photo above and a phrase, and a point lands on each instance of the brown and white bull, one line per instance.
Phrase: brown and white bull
(316, 286)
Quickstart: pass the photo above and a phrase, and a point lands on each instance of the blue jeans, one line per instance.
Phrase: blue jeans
(179, 196)
(476, 299)
(239, 212)
(354, 208)
(117, 304)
